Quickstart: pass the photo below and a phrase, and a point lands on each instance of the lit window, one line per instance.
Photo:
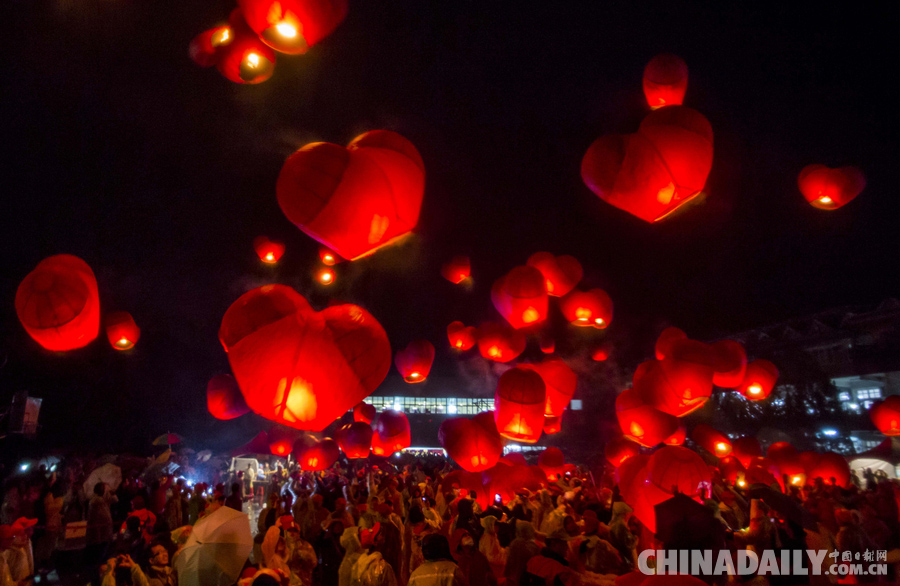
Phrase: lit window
(844, 396)
(576, 405)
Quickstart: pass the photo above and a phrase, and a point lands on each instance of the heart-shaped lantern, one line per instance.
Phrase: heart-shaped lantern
(473, 443)
(293, 26)
(561, 273)
(560, 381)
(391, 433)
(355, 439)
(829, 189)
(592, 308)
(642, 423)
(729, 364)
(499, 342)
(364, 412)
(241, 56)
(223, 398)
(461, 337)
(521, 297)
(355, 199)
(457, 269)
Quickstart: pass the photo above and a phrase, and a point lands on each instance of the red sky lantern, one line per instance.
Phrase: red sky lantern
(665, 81)
(677, 438)
(58, 304)
(886, 415)
(364, 412)
(759, 380)
(600, 353)
(829, 189)
(665, 340)
(729, 364)
(642, 423)
(547, 344)
(592, 308)
(520, 297)
(414, 361)
(325, 276)
(355, 439)
(745, 449)
(223, 398)
(552, 425)
(619, 449)
(787, 459)
(831, 465)
(357, 199)
(561, 273)
(121, 331)
(655, 171)
(677, 469)
(328, 256)
(499, 342)
(519, 405)
(299, 367)
(711, 440)
(560, 382)
(391, 433)
(457, 270)
(676, 387)
(319, 456)
(206, 48)
(281, 441)
(473, 443)
(244, 59)
(552, 461)
(460, 336)
(268, 251)
(293, 26)
(732, 470)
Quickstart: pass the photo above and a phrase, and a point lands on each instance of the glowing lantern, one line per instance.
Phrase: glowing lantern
(787, 459)
(414, 361)
(732, 470)
(552, 425)
(759, 380)
(299, 367)
(520, 297)
(391, 433)
(831, 466)
(676, 387)
(561, 273)
(745, 449)
(642, 423)
(281, 441)
(729, 364)
(457, 270)
(460, 336)
(655, 171)
(592, 308)
(547, 344)
(223, 398)
(328, 256)
(474, 443)
(642, 494)
(678, 469)
(355, 199)
(206, 48)
(58, 304)
(552, 462)
(829, 189)
(325, 276)
(245, 58)
(355, 439)
(665, 340)
(364, 412)
(711, 440)
(600, 353)
(665, 81)
(519, 405)
(268, 251)
(886, 415)
(677, 438)
(121, 331)
(560, 381)
(620, 449)
(499, 342)
(321, 455)
(293, 26)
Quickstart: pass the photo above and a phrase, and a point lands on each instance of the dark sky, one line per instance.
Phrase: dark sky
(118, 149)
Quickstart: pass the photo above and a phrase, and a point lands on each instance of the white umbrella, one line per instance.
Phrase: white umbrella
(216, 551)
(108, 473)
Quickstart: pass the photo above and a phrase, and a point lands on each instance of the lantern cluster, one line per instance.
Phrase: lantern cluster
(244, 49)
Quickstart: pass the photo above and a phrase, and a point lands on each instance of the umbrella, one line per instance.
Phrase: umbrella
(108, 473)
(216, 551)
(167, 439)
(680, 511)
(787, 507)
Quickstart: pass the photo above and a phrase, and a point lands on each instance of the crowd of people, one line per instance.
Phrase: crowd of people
(378, 525)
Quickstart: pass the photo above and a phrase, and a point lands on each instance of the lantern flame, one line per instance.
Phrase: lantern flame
(754, 389)
(326, 277)
(494, 352)
(582, 314)
(252, 60)
(636, 430)
(796, 479)
(741, 482)
(825, 199)
(599, 321)
(530, 315)
(270, 257)
(123, 342)
(721, 447)
(286, 29)
(223, 37)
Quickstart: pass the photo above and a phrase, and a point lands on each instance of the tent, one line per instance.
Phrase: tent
(885, 456)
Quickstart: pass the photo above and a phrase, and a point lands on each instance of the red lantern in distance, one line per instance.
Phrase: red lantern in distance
(560, 382)
(355, 439)
(745, 449)
(886, 415)
(665, 340)
(299, 367)
(460, 336)
(245, 58)
(474, 443)
(321, 455)
(561, 273)
(268, 251)
(357, 199)
(223, 398)
(206, 48)
(328, 256)
(293, 26)
(731, 469)
(729, 364)
(600, 354)
(58, 304)
(552, 461)
(829, 189)
(519, 405)
(592, 308)
(677, 438)
(364, 412)
(711, 440)
(665, 81)
(414, 361)
(759, 380)
(499, 342)
(391, 433)
(121, 331)
(520, 297)
(620, 449)
(547, 344)
(552, 425)
(325, 276)
(831, 466)
(457, 270)
(281, 441)
(642, 423)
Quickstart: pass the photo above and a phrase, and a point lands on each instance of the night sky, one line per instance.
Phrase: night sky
(158, 173)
